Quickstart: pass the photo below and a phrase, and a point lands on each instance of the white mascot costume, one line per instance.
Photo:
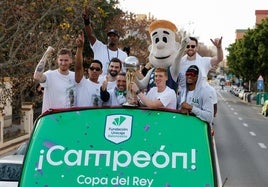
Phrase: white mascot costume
(165, 52)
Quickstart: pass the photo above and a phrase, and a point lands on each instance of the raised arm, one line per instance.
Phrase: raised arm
(40, 68)
(104, 94)
(88, 29)
(142, 84)
(79, 70)
(175, 67)
(219, 57)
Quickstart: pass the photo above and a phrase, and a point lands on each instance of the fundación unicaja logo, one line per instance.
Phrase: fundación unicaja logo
(118, 128)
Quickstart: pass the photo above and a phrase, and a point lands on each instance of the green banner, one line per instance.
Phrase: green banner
(112, 147)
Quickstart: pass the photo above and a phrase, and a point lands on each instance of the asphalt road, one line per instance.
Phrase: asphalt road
(242, 141)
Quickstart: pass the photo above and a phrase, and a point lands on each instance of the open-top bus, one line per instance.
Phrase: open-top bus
(120, 146)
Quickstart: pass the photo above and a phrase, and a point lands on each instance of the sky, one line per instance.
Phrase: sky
(206, 19)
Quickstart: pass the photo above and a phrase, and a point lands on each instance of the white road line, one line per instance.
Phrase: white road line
(246, 125)
(252, 133)
(262, 145)
(240, 118)
(235, 113)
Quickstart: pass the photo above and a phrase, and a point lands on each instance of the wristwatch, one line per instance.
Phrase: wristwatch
(138, 92)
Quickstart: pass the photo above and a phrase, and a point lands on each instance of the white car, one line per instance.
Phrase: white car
(10, 170)
(21, 150)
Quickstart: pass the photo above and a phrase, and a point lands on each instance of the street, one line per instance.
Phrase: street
(241, 139)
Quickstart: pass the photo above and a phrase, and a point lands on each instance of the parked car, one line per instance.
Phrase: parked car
(242, 93)
(233, 88)
(265, 108)
(237, 91)
(10, 170)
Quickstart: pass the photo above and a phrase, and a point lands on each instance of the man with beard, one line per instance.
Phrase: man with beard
(117, 95)
(59, 84)
(114, 68)
(203, 63)
(103, 52)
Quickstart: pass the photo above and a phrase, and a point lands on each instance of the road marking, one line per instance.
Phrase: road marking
(246, 125)
(232, 108)
(262, 145)
(240, 118)
(252, 133)
(235, 113)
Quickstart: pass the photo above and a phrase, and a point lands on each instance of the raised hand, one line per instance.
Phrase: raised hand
(184, 43)
(80, 40)
(38, 73)
(217, 42)
(50, 50)
(104, 84)
(86, 16)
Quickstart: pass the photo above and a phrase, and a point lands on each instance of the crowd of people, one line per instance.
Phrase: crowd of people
(106, 82)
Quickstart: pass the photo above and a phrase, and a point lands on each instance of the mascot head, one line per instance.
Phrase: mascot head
(164, 47)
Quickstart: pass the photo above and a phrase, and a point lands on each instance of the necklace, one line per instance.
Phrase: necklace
(109, 54)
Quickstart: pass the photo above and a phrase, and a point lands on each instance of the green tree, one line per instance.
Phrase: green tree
(248, 57)
(27, 28)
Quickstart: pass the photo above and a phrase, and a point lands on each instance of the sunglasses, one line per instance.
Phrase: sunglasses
(192, 74)
(94, 68)
(192, 46)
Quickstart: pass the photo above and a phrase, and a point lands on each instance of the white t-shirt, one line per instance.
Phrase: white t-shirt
(167, 97)
(104, 54)
(110, 84)
(203, 64)
(88, 93)
(59, 90)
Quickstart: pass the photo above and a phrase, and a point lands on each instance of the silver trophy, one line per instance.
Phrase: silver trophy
(131, 65)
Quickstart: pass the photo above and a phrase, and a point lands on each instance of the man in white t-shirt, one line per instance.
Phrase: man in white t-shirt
(59, 85)
(159, 96)
(203, 63)
(88, 90)
(114, 69)
(104, 52)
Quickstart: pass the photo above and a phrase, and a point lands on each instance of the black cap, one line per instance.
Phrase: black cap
(194, 69)
(113, 31)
